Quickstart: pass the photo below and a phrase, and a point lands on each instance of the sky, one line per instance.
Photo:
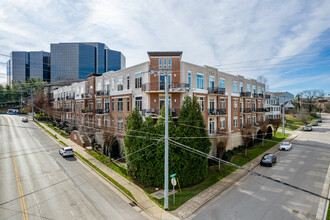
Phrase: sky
(287, 42)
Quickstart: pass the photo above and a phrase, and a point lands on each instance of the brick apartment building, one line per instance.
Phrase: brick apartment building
(103, 101)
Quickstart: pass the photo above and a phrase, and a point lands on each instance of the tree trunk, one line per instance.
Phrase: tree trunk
(219, 165)
(263, 138)
(109, 152)
(245, 151)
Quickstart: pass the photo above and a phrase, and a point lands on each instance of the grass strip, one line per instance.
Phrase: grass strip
(57, 130)
(126, 191)
(46, 130)
(64, 144)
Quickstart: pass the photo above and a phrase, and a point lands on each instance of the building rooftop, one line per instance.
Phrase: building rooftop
(164, 53)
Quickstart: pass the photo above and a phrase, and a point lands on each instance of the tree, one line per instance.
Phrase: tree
(303, 116)
(309, 98)
(110, 142)
(276, 124)
(263, 128)
(246, 132)
(221, 146)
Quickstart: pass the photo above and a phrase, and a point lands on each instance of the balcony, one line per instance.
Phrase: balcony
(267, 96)
(99, 93)
(68, 110)
(245, 94)
(221, 111)
(86, 95)
(99, 111)
(87, 111)
(247, 110)
(156, 112)
(148, 87)
(262, 110)
(261, 95)
(216, 90)
(254, 95)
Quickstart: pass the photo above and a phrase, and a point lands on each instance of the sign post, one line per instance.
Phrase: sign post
(173, 181)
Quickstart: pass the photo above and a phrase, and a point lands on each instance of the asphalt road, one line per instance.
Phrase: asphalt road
(254, 198)
(53, 187)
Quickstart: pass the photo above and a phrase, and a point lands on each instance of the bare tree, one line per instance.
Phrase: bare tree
(221, 146)
(109, 142)
(309, 97)
(303, 116)
(263, 129)
(246, 132)
(276, 124)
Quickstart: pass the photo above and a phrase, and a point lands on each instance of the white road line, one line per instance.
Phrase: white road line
(322, 208)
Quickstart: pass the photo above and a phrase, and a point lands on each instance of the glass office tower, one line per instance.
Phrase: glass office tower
(77, 60)
(114, 60)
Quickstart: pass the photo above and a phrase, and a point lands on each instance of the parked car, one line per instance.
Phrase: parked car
(66, 151)
(25, 119)
(285, 146)
(308, 128)
(268, 160)
(315, 124)
(319, 120)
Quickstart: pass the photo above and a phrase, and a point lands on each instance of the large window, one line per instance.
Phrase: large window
(211, 126)
(235, 121)
(234, 87)
(259, 90)
(165, 63)
(160, 63)
(200, 81)
(138, 103)
(169, 63)
(222, 122)
(120, 124)
(98, 104)
(211, 104)
(200, 100)
(138, 80)
(127, 82)
(120, 84)
(248, 88)
(211, 82)
(240, 87)
(189, 79)
(106, 106)
(223, 103)
(120, 104)
(112, 104)
(127, 104)
(253, 89)
(222, 83)
(235, 104)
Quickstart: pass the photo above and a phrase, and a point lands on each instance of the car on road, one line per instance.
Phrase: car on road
(66, 151)
(308, 128)
(315, 123)
(25, 119)
(268, 160)
(319, 120)
(285, 146)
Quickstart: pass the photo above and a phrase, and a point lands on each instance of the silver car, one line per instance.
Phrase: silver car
(66, 151)
(285, 146)
(308, 128)
(25, 120)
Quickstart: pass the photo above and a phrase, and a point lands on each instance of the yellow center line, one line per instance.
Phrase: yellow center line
(19, 185)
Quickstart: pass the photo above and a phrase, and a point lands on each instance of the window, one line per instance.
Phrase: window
(200, 100)
(253, 89)
(249, 119)
(234, 87)
(127, 104)
(120, 104)
(138, 80)
(138, 103)
(235, 121)
(235, 104)
(259, 90)
(200, 81)
(222, 83)
(189, 79)
(98, 104)
(169, 63)
(98, 122)
(120, 124)
(263, 91)
(222, 122)
(107, 88)
(222, 103)
(240, 87)
(241, 106)
(165, 63)
(248, 104)
(254, 120)
(107, 122)
(211, 126)
(127, 82)
(106, 105)
(160, 63)
(211, 82)
(112, 84)
(90, 106)
(211, 104)
(112, 104)
(241, 121)
(248, 89)
(120, 85)
(73, 107)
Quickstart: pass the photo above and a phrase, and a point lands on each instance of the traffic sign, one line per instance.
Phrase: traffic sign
(173, 175)
(173, 181)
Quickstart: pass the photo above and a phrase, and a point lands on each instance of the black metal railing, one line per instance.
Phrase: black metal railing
(213, 111)
(261, 95)
(99, 93)
(161, 86)
(156, 112)
(254, 95)
(245, 94)
(247, 110)
(99, 111)
(216, 90)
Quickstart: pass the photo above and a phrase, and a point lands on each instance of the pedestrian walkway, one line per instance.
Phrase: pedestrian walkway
(144, 202)
(202, 198)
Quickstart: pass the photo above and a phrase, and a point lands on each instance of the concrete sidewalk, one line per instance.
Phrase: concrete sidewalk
(202, 198)
(143, 201)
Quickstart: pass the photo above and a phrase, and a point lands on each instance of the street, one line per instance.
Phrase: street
(37, 183)
(305, 166)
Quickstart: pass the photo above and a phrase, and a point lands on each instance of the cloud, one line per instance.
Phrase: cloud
(208, 32)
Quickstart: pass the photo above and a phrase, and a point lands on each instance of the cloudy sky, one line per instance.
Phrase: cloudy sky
(288, 42)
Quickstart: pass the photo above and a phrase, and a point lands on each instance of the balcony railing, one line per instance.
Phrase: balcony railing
(221, 131)
(254, 95)
(245, 94)
(216, 90)
(221, 111)
(99, 111)
(261, 95)
(262, 110)
(267, 96)
(87, 111)
(160, 86)
(247, 110)
(99, 93)
(156, 112)
(86, 95)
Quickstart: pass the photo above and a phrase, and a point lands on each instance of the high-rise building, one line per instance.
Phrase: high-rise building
(24, 65)
(77, 60)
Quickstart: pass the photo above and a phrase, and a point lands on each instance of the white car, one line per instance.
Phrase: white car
(285, 146)
(66, 151)
(25, 120)
(308, 128)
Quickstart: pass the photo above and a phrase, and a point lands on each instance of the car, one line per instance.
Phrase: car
(285, 146)
(66, 151)
(319, 120)
(268, 160)
(25, 120)
(308, 128)
(315, 124)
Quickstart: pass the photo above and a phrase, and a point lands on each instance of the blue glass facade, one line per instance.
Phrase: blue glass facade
(77, 60)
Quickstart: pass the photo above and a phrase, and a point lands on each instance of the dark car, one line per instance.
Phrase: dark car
(268, 160)
(319, 120)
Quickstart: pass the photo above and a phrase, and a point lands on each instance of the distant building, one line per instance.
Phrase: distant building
(77, 60)
(24, 65)
(274, 100)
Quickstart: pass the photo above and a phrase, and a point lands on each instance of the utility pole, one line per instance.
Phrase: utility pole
(166, 143)
(20, 105)
(283, 120)
(32, 104)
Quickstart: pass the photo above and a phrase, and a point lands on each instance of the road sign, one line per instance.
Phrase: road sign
(173, 175)
(173, 181)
